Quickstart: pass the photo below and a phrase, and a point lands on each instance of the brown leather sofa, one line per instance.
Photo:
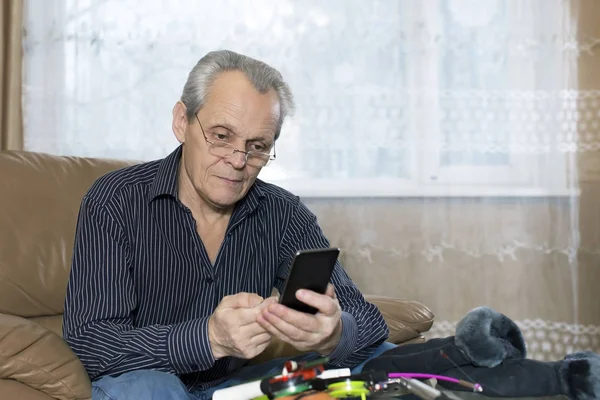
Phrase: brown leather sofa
(39, 201)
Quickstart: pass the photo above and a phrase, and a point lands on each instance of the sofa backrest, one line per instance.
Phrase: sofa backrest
(40, 195)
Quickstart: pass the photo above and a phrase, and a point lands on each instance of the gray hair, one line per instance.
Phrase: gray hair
(262, 76)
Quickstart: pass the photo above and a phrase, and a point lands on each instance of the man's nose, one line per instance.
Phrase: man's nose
(238, 159)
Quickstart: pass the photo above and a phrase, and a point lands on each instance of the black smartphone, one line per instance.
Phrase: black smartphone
(311, 269)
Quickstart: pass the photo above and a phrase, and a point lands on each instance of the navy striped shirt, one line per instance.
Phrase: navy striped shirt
(141, 287)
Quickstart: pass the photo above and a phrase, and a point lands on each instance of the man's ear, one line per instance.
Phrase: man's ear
(180, 121)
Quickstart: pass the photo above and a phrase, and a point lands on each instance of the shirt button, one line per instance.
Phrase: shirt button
(209, 280)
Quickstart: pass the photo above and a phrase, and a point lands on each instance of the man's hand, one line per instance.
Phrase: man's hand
(320, 332)
(233, 330)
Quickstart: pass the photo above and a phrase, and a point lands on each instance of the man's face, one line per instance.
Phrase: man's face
(234, 112)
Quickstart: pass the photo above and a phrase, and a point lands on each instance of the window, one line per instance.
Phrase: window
(498, 109)
(394, 98)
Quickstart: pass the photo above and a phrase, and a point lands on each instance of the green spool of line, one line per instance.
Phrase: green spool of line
(292, 390)
(341, 390)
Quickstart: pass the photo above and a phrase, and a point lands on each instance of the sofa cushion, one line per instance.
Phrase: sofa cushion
(52, 323)
(38, 358)
(38, 214)
(16, 390)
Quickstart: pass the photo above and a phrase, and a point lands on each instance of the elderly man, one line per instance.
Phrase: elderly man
(175, 260)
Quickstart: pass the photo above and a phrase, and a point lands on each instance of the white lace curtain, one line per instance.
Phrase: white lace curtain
(464, 115)
(397, 96)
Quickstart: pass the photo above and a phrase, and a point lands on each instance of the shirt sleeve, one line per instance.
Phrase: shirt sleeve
(363, 326)
(98, 320)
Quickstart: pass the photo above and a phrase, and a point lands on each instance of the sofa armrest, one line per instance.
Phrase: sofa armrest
(36, 357)
(406, 319)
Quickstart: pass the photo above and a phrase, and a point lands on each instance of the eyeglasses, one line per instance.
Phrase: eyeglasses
(225, 150)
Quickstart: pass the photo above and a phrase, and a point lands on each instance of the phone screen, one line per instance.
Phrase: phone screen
(311, 269)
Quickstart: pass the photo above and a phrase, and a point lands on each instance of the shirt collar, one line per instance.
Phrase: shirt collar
(165, 183)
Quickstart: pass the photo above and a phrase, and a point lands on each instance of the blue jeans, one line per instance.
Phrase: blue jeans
(154, 385)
